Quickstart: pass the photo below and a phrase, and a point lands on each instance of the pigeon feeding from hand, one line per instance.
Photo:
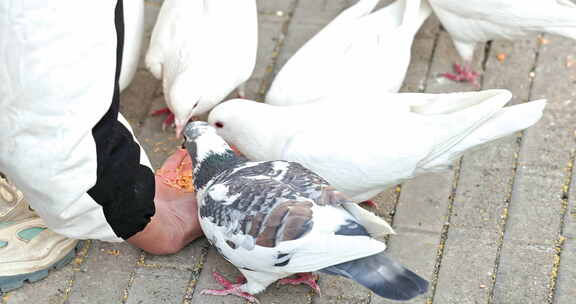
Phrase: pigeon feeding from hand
(273, 219)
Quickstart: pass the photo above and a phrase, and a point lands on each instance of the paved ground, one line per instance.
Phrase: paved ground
(499, 228)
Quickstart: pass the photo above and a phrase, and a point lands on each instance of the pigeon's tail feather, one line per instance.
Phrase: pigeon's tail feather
(383, 276)
(503, 123)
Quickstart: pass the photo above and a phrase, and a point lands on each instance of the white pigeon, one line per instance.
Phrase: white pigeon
(358, 51)
(474, 21)
(190, 51)
(276, 218)
(362, 146)
(133, 34)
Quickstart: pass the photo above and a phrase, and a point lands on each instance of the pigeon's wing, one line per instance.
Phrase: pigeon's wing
(259, 223)
(351, 151)
(322, 193)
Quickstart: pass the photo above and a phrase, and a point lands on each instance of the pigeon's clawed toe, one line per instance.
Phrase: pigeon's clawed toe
(306, 278)
(369, 203)
(169, 121)
(463, 74)
(229, 288)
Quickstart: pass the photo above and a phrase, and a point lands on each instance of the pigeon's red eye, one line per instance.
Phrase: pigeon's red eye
(219, 124)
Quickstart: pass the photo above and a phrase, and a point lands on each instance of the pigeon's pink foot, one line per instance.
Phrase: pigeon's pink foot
(463, 74)
(369, 203)
(303, 278)
(229, 288)
(169, 121)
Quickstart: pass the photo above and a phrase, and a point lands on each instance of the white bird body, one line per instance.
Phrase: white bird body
(365, 148)
(190, 52)
(473, 21)
(357, 51)
(272, 219)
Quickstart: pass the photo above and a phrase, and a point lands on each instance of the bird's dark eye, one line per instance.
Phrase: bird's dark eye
(219, 124)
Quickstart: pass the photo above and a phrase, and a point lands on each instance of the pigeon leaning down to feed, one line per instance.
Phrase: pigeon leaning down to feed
(273, 219)
(362, 146)
(474, 21)
(190, 51)
(361, 50)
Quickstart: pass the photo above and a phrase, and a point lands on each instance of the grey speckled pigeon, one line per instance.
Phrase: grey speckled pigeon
(273, 219)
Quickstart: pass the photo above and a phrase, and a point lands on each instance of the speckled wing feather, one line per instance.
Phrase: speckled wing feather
(272, 201)
(254, 201)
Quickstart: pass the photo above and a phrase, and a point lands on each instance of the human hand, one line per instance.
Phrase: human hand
(175, 223)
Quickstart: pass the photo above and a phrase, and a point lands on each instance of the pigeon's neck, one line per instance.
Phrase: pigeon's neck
(212, 156)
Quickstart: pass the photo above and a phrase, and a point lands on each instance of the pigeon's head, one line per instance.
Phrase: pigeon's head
(195, 129)
(185, 102)
(252, 127)
(229, 118)
(201, 140)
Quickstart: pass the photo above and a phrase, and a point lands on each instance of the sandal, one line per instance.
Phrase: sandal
(28, 250)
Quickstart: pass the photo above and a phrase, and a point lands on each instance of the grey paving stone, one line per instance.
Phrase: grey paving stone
(535, 211)
(270, 37)
(338, 290)
(566, 288)
(186, 258)
(151, 9)
(484, 188)
(524, 273)
(467, 266)
(269, 7)
(105, 274)
(158, 285)
(423, 202)
(566, 274)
